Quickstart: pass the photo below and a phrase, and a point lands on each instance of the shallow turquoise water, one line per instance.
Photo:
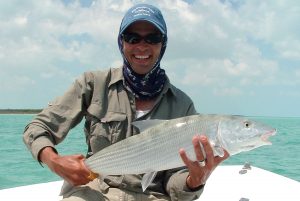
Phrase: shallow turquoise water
(18, 168)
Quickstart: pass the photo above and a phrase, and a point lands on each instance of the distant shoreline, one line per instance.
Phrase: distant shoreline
(20, 111)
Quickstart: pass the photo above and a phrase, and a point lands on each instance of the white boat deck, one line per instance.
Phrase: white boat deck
(226, 183)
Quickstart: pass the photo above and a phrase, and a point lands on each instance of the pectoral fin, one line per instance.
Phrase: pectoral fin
(147, 179)
(218, 151)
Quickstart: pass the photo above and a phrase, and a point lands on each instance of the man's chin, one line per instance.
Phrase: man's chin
(142, 70)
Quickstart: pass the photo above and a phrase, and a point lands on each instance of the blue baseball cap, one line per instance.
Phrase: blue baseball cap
(144, 12)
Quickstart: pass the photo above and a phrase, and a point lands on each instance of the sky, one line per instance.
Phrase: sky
(230, 56)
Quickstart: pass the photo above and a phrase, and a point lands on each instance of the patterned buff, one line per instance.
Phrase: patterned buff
(146, 86)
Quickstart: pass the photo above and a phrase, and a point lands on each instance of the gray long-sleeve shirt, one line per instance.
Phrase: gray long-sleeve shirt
(109, 109)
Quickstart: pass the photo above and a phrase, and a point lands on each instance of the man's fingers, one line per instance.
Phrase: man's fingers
(199, 149)
(208, 150)
(184, 156)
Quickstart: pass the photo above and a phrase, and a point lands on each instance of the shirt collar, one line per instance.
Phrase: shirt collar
(169, 88)
(116, 76)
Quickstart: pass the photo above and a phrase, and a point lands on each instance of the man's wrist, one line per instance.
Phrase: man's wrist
(46, 154)
(193, 187)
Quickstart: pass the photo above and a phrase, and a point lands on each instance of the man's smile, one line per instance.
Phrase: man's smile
(141, 56)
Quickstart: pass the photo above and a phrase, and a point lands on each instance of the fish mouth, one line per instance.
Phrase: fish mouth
(265, 137)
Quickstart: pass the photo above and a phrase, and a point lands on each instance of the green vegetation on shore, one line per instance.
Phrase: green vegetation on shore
(20, 111)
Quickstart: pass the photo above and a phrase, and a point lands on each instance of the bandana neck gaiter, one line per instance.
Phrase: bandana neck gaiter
(144, 87)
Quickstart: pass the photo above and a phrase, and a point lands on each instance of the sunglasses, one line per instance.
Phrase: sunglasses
(134, 38)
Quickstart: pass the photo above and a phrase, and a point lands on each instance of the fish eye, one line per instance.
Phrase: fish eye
(247, 124)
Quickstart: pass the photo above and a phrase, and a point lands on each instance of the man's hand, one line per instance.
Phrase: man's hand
(198, 174)
(70, 168)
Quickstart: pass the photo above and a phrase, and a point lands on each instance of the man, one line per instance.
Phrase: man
(110, 101)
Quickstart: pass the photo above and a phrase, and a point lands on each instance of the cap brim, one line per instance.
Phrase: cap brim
(147, 20)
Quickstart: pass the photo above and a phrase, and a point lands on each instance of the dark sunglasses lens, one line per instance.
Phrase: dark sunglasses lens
(132, 38)
(153, 38)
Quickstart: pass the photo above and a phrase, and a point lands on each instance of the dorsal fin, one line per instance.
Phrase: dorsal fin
(145, 124)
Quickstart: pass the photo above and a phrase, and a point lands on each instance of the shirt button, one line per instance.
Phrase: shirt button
(31, 138)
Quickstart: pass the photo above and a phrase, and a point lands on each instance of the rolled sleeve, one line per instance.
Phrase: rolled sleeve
(51, 126)
(36, 139)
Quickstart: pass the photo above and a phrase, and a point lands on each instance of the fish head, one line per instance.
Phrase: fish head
(240, 134)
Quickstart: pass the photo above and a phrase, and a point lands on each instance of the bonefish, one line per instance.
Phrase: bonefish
(156, 147)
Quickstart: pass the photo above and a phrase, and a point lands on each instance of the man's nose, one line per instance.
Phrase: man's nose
(142, 45)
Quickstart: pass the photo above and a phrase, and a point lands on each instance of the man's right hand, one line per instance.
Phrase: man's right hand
(70, 168)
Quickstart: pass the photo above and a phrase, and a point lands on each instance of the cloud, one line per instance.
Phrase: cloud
(226, 48)
(230, 41)
(273, 22)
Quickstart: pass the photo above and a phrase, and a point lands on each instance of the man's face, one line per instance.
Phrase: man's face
(142, 56)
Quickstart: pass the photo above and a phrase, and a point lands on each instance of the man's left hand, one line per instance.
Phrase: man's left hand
(200, 170)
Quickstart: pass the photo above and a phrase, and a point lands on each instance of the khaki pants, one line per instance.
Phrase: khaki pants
(94, 191)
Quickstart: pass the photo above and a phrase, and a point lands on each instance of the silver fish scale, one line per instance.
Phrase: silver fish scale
(150, 150)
